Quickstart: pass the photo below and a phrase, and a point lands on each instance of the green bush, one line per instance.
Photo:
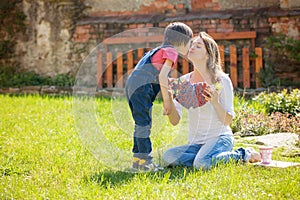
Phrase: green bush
(62, 80)
(283, 102)
(11, 78)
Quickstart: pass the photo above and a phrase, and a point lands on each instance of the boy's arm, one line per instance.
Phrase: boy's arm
(174, 117)
(163, 81)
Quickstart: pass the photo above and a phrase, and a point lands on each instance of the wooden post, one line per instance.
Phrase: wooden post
(99, 70)
(258, 65)
(221, 49)
(129, 62)
(246, 68)
(120, 83)
(140, 53)
(109, 70)
(233, 66)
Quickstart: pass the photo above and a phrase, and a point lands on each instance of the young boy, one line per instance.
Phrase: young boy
(148, 78)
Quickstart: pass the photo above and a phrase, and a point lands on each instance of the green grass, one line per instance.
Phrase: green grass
(64, 148)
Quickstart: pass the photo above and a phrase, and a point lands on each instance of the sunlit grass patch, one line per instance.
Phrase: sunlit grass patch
(44, 156)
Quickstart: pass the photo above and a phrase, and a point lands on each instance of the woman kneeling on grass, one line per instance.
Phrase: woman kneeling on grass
(210, 138)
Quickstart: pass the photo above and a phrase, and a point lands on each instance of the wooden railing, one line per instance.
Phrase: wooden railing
(242, 66)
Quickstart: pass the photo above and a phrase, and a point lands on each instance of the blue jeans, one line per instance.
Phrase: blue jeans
(204, 156)
(140, 93)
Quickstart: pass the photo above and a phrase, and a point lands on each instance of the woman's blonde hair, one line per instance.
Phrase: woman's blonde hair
(214, 64)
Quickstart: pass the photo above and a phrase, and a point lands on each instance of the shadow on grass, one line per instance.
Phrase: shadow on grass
(109, 178)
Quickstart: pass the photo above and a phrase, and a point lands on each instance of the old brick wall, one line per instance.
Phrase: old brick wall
(237, 4)
(265, 21)
(171, 7)
(268, 17)
(289, 3)
(129, 7)
(60, 34)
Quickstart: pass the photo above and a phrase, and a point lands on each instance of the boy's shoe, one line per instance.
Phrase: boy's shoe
(145, 165)
(135, 163)
(251, 155)
(148, 166)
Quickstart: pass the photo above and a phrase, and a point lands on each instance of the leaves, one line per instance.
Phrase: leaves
(10, 78)
(283, 102)
(268, 113)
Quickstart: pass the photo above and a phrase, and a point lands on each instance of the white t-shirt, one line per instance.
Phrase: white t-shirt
(203, 122)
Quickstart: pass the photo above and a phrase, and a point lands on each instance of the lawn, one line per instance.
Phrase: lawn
(75, 148)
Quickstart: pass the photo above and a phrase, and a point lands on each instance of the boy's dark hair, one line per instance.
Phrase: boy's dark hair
(177, 33)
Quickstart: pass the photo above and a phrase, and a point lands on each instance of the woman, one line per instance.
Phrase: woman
(210, 139)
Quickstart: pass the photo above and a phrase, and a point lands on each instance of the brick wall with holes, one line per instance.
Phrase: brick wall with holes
(92, 31)
(107, 17)
(174, 7)
(264, 21)
(58, 35)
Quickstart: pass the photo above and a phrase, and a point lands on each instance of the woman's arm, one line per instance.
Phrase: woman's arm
(227, 95)
(223, 116)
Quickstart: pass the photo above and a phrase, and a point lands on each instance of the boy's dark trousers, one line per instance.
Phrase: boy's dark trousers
(142, 87)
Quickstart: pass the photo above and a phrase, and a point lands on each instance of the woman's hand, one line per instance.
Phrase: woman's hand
(211, 95)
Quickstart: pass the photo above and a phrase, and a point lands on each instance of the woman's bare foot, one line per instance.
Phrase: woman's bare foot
(252, 155)
(255, 157)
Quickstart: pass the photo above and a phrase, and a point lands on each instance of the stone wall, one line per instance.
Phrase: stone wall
(46, 47)
(12, 25)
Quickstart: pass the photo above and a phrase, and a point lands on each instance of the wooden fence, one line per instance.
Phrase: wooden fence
(242, 65)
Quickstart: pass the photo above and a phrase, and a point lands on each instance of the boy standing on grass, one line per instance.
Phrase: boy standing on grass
(146, 80)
